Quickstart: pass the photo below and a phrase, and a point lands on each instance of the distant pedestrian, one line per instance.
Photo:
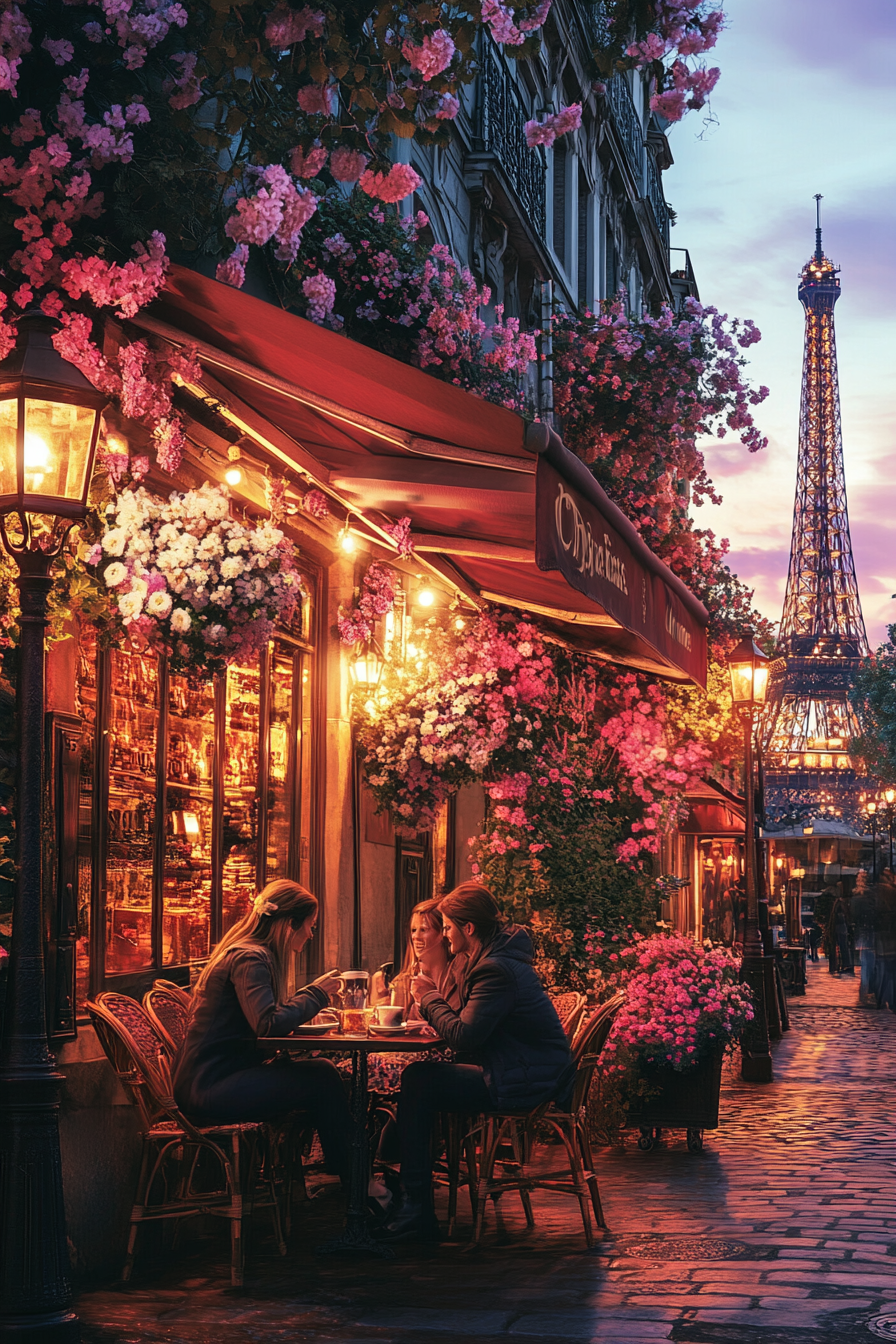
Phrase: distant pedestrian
(839, 958)
(885, 944)
(813, 934)
(864, 913)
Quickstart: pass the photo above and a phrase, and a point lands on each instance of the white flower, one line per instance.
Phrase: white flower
(214, 634)
(115, 574)
(525, 649)
(115, 541)
(232, 567)
(158, 604)
(130, 605)
(181, 620)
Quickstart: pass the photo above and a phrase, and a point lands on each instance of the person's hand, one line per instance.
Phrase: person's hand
(422, 985)
(330, 983)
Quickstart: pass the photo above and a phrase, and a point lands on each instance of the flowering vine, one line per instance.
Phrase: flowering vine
(664, 39)
(376, 596)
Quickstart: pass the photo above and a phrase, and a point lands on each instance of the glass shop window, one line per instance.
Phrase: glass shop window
(133, 727)
(239, 835)
(189, 792)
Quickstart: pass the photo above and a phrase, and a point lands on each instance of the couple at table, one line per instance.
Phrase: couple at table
(499, 1020)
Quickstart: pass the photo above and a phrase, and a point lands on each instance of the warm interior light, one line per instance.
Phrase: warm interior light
(426, 597)
(459, 623)
(890, 795)
(191, 823)
(37, 460)
(347, 541)
(233, 475)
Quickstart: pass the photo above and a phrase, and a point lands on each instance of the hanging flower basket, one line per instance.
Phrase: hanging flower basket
(186, 579)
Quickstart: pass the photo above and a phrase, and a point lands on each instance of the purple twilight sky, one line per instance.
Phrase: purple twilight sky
(803, 105)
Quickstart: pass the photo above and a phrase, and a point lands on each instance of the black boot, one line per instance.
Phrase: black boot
(413, 1220)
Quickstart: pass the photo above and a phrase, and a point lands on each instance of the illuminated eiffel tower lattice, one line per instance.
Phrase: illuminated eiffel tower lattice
(809, 720)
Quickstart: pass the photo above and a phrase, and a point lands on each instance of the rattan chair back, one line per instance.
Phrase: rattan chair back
(168, 1013)
(570, 1008)
(591, 1041)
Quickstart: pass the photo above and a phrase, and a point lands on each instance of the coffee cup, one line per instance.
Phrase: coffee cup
(388, 1016)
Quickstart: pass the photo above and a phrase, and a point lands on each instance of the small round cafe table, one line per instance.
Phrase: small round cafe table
(355, 1236)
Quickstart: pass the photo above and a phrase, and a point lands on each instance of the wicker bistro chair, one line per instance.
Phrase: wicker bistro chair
(579, 1178)
(168, 1008)
(570, 1008)
(173, 1146)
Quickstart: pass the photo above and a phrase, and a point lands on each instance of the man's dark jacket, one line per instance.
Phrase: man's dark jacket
(506, 1024)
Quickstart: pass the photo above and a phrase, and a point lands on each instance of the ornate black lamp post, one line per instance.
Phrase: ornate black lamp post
(49, 420)
(748, 668)
(871, 809)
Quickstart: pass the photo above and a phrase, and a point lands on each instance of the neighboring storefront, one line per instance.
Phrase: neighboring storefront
(175, 800)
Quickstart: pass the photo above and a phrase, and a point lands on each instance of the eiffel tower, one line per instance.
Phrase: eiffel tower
(809, 720)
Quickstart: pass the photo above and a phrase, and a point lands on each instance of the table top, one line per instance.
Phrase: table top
(336, 1043)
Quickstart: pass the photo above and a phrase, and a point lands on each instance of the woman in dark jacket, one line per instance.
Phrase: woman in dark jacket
(220, 1073)
(507, 1029)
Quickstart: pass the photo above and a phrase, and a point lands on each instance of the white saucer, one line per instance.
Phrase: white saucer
(377, 1030)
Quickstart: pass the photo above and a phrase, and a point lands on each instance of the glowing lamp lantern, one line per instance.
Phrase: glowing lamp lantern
(49, 422)
(748, 669)
(365, 669)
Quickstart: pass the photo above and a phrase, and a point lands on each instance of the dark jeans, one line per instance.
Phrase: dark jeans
(427, 1088)
(272, 1090)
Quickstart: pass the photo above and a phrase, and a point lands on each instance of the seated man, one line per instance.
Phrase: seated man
(507, 1030)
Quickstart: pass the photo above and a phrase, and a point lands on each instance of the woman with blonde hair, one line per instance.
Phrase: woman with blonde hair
(427, 952)
(240, 997)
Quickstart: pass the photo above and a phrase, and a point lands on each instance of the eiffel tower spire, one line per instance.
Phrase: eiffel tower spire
(822, 639)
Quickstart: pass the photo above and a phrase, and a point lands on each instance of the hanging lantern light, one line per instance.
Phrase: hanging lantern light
(365, 667)
(748, 670)
(49, 421)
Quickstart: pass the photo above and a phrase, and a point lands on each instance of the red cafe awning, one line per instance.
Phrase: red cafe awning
(388, 439)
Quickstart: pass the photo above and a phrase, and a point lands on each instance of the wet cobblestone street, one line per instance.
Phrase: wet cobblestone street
(782, 1231)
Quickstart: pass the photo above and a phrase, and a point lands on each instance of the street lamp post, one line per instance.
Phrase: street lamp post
(49, 420)
(748, 669)
(871, 809)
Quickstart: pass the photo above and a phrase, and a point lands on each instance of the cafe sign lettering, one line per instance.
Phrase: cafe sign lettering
(574, 535)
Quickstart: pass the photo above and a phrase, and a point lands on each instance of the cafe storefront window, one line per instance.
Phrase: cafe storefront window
(194, 793)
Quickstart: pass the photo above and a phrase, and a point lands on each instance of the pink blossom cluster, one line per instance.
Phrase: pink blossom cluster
(320, 292)
(376, 596)
(139, 27)
(184, 89)
(512, 350)
(431, 56)
(400, 533)
(398, 182)
(682, 1003)
(184, 578)
(681, 29)
(316, 99)
(347, 165)
(277, 210)
(287, 26)
(505, 28)
(545, 132)
(308, 162)
(15, 31)
(314, 503)
(461, 701)
(140, 380)
(636, 394)
(127, 288)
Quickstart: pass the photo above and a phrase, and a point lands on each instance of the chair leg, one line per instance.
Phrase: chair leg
(236, 1215)
(137, 1211)
(520, 1145)
(271, 1183)
(590, 1179)
(491, 1137)
(452, 1158)
(472, 1172)
(570, 1142)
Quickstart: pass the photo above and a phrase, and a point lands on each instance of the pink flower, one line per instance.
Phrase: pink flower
(316, 99)
(448, 107)
(320, 291)
(555, 124)
(393, 186)
(61, 51)
(170, 439)
(346, 164)
(307, 162)
(400, 533)
(233, 270)
(434, 54)
(314, 502)
(670, 105)
(286, 26)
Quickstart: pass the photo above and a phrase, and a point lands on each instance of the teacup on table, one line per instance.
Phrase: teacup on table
(387, 1016)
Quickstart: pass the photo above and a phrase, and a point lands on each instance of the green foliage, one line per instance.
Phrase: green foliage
(874, 698)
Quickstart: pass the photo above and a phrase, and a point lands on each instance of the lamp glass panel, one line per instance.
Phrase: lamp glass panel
(8, 422)
(760, 683)
(57, 448)
(741, 682)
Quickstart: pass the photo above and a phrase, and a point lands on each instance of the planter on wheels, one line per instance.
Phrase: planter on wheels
(688, 1101)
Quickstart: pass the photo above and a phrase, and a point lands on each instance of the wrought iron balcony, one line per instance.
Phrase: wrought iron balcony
(657, 201)
(627, 124)
(502, 115)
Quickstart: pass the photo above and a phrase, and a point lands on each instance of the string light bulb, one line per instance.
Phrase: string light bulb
(426, 597)
(346, 540)
(233, 475)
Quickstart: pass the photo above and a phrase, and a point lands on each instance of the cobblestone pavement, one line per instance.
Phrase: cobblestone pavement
(783, 1231)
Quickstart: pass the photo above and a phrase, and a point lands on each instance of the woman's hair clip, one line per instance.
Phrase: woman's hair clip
(263, 907)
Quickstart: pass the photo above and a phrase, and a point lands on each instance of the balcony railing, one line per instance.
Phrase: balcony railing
(657, 201)
(627, 124)
(502, 116)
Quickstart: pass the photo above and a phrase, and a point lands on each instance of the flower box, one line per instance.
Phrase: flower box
(688, 1100)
